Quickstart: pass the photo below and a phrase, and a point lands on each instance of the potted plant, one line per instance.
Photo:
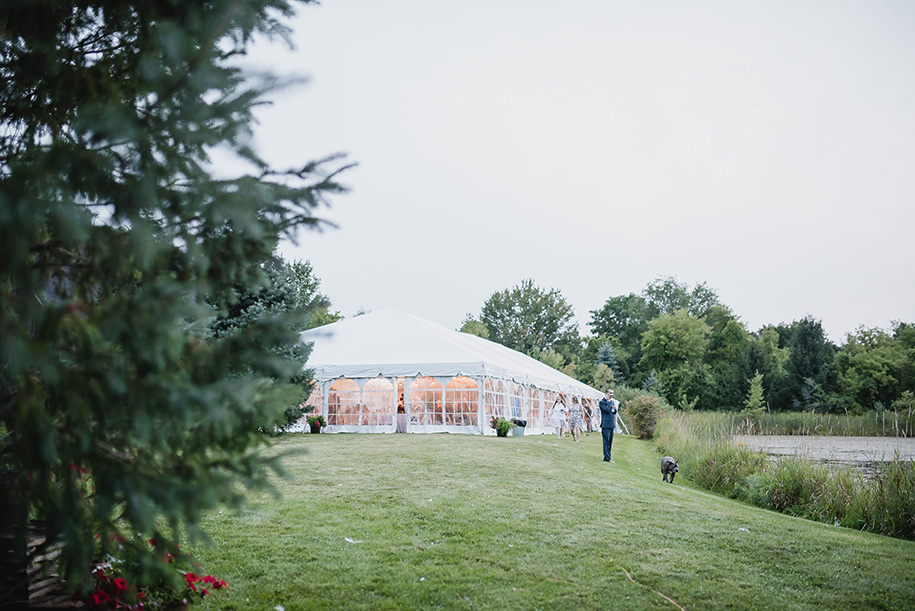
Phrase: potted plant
(502, 425)
(316, 423)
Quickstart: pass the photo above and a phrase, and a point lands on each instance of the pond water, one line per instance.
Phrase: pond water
(855, 451)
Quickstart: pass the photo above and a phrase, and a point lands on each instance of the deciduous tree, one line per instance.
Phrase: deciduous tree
(666, 295)
(532, 320)
(624, 317)
(474, 327)
(603, 378)
(674, 345)
(674, 339)
(810, 364)
(727, 356)
(870, 365)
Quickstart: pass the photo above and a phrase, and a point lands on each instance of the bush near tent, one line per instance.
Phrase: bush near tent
(643, 414)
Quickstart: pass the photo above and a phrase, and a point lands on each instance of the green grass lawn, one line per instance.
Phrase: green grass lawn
(461, 522)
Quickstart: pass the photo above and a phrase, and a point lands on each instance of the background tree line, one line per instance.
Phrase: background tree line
(683, 343)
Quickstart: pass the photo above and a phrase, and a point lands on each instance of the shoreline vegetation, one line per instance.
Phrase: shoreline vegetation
(883, 423)
(882, 502)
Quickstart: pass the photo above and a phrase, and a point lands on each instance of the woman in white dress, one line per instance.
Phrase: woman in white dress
(557, 416)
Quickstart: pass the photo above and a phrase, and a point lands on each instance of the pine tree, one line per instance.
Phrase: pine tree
(291, 296)
(607, 356)
(652, 384)
(122, 415)
(755, 403)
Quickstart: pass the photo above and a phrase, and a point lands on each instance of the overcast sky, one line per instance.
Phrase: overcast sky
(766, 148)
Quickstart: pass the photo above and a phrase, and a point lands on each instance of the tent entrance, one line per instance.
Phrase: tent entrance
(401, 415)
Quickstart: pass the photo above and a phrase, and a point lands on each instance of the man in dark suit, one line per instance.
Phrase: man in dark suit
(608, 408)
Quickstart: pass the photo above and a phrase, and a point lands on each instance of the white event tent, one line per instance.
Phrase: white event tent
(446, 381)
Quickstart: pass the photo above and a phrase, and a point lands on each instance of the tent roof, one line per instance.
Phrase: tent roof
(393, 343)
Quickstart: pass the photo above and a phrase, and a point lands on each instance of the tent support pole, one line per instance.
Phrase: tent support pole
(480, 418)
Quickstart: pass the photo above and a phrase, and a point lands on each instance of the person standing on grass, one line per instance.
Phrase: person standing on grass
(576, 418)
(608, 410)
(557, 416)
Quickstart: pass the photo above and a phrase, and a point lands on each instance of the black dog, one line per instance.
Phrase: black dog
(669, 467)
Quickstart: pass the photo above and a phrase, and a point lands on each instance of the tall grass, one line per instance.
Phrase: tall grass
(702, 443)
(889, 504)
(880, 423)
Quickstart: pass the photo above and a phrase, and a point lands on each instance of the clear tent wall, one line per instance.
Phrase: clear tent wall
(431, 404)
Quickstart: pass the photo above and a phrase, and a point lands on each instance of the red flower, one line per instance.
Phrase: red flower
(120, 584)
(191, 579)
(100, 598)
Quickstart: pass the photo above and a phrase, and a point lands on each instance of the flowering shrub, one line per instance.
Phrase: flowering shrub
(319, 420)
(193, 581)
(193, 586)
(113, 591)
